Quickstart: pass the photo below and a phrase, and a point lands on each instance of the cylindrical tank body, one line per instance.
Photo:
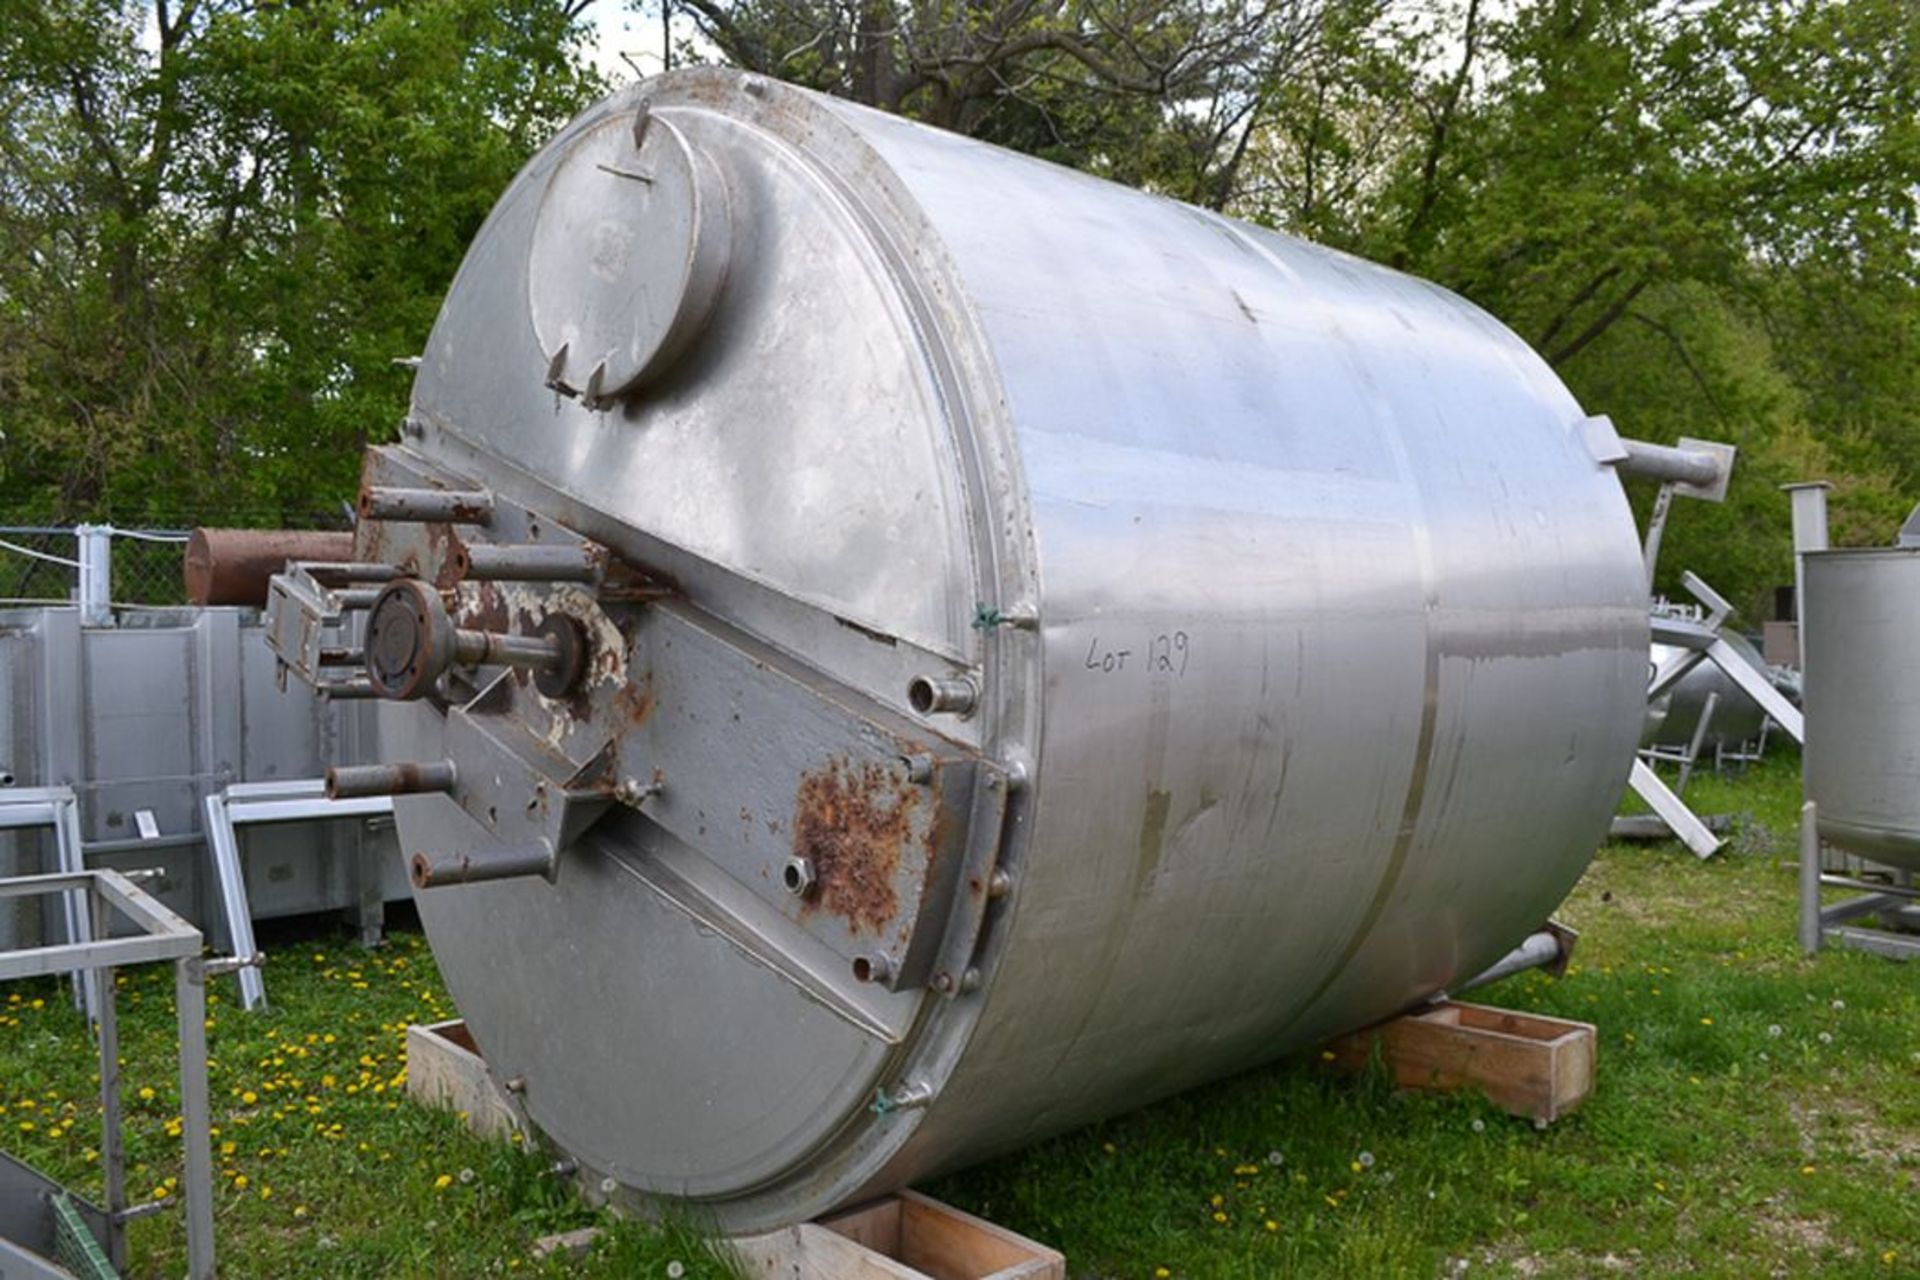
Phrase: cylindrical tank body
(1862, 700)
(1308, 637)
(1674, 717)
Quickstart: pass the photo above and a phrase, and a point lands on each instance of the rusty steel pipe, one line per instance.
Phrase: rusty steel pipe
(430, 872)
(495, 562)
(403, 778)
(232, 566)
(435, 506)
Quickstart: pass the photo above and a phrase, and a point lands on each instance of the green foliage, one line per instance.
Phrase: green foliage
(1702, 215)
(225, 222)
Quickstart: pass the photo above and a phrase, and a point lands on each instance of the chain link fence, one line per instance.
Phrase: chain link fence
(41, 563)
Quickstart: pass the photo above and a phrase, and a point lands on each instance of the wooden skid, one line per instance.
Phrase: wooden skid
(445, 1070)
(903, 1237)
(1526, 1064)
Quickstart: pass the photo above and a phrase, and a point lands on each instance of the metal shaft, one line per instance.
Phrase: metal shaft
(435, 871)
(482, 648)
(404, 778)
(440, 506)
(494, 562)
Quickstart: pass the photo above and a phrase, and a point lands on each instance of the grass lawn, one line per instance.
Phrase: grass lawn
(1756, 1114)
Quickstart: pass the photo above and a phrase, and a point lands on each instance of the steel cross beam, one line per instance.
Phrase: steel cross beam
(248, 803)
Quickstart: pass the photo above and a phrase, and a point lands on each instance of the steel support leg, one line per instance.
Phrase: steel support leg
(190, 997)
(1673, 811)
(113, 1157)
(224, 845)
(1811, 926)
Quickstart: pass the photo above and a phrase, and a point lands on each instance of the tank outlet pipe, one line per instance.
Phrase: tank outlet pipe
(496, 562)
(427, 506)
(1669, 465)
(405, 778)
(1549, 948)
(951, 695)
(434, 871)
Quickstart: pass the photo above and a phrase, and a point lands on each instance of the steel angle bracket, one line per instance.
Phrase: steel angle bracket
(299, 615)
(978, 884)
(516, 785)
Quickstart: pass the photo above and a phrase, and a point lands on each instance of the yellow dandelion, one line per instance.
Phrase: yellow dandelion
(1806, 1169)
(162, 1192)
(1219, 1217)
(146, 1093)
(1271, 1225)
(1161, 1273)
(249, 1097)
(1706, 1022)
(239, 1182)
(442, 1182)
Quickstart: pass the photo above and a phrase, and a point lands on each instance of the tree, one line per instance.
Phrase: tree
(222, 223)
(1159, 93)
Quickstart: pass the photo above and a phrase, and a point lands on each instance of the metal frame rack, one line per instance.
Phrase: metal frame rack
(162, 936)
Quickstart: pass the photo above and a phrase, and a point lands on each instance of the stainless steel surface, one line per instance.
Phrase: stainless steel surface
(1862, 695)
(1697, 466)
(157, 714)
(1304, 643)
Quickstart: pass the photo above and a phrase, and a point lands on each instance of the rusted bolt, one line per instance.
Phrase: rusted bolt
(999, 884)
(873, 967)
(919, 768)
(952, 695)
(798, 877)
(942, 982)
(635, 794)
(970, 981)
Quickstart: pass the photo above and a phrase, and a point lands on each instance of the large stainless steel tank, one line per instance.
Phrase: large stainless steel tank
(1862, 698)
(1066, 645)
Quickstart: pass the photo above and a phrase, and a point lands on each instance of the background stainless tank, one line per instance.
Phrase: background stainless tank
(1270, 649)
(1862, 694)
(1673, 717)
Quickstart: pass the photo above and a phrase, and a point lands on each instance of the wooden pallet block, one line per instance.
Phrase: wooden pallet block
(445, 1071)
(1527, 1064)
(903, 1237)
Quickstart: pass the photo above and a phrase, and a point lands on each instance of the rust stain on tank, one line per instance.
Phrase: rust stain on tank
(634, 701)
(853, 822)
